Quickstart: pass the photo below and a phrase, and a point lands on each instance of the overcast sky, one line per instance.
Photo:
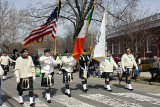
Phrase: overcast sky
(152, 5)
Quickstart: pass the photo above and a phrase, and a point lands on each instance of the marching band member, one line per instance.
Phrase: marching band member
(107, 69)
(15, 56)
(84, 74)
(47, 63)
(67, 69)
(59, 61)
(128, 62)
(25, 74)
(4, 61)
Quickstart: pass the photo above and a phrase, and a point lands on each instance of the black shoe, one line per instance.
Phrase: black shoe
(85, 90)
(49, 101)
(32, 104)
(130, 89)
(21, 103)
(69, 95)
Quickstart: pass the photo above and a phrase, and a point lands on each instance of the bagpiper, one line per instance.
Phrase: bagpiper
(4, 61)
(107, 69)
(84, 74)
(14, 56)
(128, 62)
(59, 61)
(25, 75)
(47, 63)
(67, 69)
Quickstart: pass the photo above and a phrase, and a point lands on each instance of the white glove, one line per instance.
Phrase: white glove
(34, 78)
(17, 80)
(124, 70)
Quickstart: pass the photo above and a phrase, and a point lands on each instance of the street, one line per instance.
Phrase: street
(143, 95)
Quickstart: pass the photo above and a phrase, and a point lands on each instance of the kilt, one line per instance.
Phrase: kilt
(59, 66)
(44, 82)
(127, 72)
(67, 76)
(5, 68)
(106, 74)
(81, 74)
(21, 85)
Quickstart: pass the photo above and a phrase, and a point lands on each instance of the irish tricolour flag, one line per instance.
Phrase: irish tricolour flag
(79, 43)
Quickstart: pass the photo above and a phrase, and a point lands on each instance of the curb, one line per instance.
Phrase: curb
(145, 82)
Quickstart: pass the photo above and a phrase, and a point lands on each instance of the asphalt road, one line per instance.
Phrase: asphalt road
(143, 95)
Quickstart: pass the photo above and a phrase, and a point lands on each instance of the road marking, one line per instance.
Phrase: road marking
(38, 102)
(155, 94)
(140, 98)
(3, 105)
(109, 101)
(70, 101)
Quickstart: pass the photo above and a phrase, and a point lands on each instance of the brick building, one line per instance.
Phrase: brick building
(142, 36)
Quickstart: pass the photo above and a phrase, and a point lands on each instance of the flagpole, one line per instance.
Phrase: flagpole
(56, 29)
(105, 28)
(91, 46)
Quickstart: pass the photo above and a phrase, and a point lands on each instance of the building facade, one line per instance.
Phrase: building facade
(143, 37)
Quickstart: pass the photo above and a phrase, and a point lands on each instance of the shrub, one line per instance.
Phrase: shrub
(145, 67)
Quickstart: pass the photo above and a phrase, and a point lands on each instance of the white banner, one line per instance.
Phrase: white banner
(100, 47)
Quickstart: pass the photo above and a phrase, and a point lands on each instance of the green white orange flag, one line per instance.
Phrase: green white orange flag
(79, 43)
(100, 46)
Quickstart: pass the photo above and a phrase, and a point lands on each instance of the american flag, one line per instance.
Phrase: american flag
(45, 29)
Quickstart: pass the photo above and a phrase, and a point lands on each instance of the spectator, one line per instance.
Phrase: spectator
(155, 68)
(138, 61)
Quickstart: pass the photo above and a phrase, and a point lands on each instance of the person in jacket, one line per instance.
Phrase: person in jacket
(83, 73)
(138, 61)
(25, 75)
(4, 61)
(14, 56)
(47, 63)
(128, 62)
(68, 63)
(107, 69)
(155, 69)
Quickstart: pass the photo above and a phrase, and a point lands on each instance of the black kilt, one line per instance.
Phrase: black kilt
(44, 80)
(66, 78)
(20, 84)
(5, 68)
(81, 73)
(126, 73)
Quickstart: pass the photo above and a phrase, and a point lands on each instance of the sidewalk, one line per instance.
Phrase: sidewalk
(145, 77)
(145, 74)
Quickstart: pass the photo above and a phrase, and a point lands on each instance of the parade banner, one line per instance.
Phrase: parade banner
(49, 28)
(79, 43)
(100, 46)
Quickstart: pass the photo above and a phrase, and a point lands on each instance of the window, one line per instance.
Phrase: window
(112, 48)
(119, 48)
(148, 45)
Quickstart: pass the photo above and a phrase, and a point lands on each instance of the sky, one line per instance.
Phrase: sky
(152, 5)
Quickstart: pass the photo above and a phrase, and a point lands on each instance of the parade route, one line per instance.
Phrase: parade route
(143, 95)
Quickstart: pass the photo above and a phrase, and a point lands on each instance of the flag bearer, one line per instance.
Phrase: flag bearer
(84, 74)
(67, 69)
(107, 69)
